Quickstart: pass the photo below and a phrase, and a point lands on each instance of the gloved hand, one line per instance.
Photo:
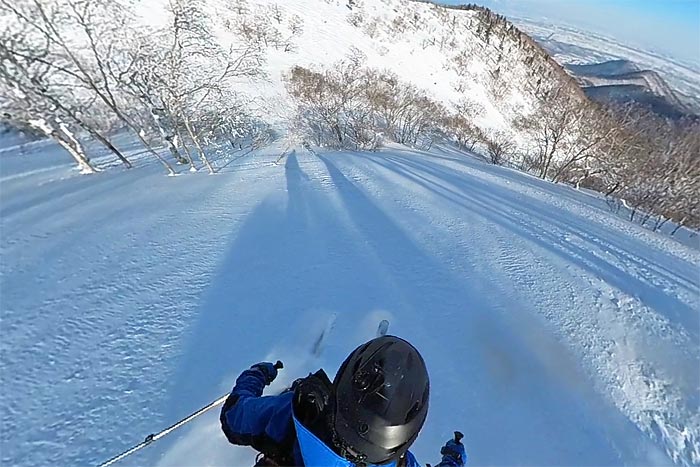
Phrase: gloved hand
(269, 370)
(453, 452)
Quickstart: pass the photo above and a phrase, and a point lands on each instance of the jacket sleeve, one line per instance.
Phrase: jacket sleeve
(453, 453)
(411, 460)
(447, 462)
(248, 419)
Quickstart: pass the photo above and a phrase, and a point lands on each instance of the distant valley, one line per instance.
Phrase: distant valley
(623, 81)
(611, 72)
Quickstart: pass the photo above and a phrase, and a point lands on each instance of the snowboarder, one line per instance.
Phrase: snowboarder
(370, 414)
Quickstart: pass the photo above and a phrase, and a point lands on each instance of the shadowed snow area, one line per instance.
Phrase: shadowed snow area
(555, 333)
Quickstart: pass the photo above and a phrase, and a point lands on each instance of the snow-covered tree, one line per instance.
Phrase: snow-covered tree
(81, 39)
(29, 68)
(184, 75)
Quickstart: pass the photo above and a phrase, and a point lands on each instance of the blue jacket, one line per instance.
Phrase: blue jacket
(266, 423)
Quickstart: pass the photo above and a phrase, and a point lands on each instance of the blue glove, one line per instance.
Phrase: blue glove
(269, 370)
(453, 453)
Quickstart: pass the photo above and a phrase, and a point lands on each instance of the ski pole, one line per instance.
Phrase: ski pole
(153, 437)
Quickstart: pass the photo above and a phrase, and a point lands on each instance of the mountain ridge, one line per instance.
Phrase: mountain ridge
(624, 81)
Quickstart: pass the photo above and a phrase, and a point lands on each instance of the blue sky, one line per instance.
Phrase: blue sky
(669, 26)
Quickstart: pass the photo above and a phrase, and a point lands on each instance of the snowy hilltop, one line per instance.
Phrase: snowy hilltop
(188, 188)
(201, 77)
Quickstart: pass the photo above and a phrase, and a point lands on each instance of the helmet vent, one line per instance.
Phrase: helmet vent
(363, 428)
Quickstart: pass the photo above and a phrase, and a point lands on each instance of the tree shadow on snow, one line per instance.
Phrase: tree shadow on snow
(521, 213)
(325, 251)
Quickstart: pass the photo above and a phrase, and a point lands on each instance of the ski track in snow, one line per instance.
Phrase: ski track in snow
(555, 333)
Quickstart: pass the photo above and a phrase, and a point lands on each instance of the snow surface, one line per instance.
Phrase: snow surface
(414, 53)
(555, 333)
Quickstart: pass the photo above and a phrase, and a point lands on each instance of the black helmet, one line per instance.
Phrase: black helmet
(382, 392)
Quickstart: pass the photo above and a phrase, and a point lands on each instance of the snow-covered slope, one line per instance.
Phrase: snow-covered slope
(555, 333)
(453, 54)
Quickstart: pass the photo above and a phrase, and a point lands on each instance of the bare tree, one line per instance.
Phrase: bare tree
(20, 109)
(499, 147)
(92, 23)
(352, 106)
(565, 132)
(405, 111)
(646, 164)
(183, 75)
(460, 129)
(27, 66)
(330, 104)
